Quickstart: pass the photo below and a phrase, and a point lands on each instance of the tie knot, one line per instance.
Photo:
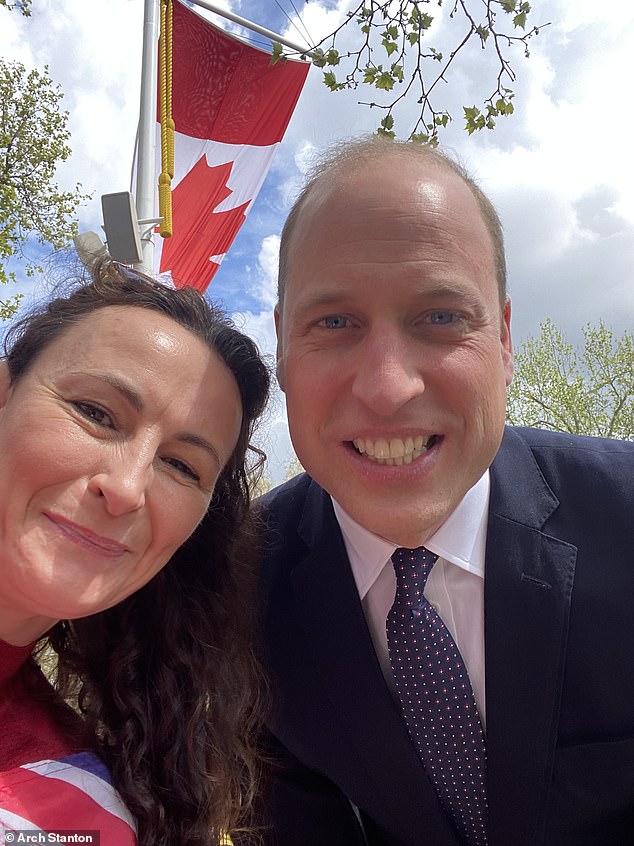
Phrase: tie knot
(412, 568)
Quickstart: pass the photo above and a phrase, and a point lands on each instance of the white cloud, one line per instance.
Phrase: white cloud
(559, 170)
(265, 289)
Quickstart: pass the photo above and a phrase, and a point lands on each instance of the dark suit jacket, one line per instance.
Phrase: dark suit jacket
(559, 640)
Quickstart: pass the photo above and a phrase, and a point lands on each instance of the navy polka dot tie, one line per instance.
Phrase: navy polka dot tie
(437, 699)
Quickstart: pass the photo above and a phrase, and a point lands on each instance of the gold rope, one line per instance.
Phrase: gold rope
(167, 122)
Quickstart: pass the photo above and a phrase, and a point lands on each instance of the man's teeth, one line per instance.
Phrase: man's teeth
(395, 451)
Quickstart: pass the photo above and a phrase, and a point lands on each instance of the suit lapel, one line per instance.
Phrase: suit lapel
(528, 585)
(344, 657)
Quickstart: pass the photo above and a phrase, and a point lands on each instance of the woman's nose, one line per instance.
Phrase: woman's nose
(124, 484)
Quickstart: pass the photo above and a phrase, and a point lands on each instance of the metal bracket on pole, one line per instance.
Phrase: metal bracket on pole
(149, 224)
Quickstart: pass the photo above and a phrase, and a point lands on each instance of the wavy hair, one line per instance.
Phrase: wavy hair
(167, 680)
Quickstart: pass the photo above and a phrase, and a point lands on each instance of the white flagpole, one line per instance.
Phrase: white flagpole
(267, 33)
(146, 177)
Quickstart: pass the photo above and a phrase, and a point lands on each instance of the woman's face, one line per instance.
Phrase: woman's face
(110, 447)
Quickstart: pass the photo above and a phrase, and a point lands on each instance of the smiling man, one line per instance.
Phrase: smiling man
(429, 656)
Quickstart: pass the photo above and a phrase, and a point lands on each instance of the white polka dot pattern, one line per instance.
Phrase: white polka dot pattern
(437, 699)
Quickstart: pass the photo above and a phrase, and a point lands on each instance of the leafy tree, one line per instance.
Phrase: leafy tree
(33, 141)
(293, 468)
(587, 391)
(396, 57)
(260, 485)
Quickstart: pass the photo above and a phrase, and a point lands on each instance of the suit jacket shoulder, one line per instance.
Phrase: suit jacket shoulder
(587, 480)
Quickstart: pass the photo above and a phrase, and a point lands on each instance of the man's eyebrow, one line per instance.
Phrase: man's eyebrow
(330, 297)
(333, 297)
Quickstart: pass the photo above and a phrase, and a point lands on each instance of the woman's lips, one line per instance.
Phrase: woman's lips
(86, 538)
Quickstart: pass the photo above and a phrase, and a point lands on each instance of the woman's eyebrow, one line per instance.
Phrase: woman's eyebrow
(126, 390)
(136, 401)
(203, 443)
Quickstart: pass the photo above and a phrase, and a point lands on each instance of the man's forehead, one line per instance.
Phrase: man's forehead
(384, 181)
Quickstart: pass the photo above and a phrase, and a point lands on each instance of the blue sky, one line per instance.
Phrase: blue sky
(559, 170)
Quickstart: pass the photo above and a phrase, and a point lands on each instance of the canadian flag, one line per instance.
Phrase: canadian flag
(231, 107)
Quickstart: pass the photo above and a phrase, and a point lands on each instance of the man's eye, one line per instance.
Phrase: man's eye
(335, 321)
(442, 318)
(94, 413)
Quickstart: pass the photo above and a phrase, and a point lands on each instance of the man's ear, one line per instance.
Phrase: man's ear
(279, 366)
(5, 383)
(507, 344)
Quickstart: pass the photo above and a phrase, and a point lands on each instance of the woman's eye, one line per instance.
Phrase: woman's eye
(335, 321)
(182, 468)
(94, 413)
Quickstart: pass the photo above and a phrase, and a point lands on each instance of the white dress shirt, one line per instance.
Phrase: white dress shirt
(455, 586)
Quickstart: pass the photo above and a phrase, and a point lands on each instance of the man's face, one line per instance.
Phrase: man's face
(392, 349)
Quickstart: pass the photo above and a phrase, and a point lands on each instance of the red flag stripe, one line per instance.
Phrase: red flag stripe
(227, 91)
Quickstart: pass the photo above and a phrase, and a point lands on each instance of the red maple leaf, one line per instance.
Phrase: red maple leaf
(199, 231)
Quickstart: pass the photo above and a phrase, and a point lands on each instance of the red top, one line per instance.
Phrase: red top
(46, 781)
(35, 724)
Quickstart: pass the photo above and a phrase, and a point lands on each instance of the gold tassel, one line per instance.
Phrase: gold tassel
(167, 123)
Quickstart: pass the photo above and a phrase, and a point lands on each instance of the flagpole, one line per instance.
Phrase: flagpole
(267, 33)
(146, 157)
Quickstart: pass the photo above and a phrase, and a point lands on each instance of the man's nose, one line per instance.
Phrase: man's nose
(124, 482)
(388, 373)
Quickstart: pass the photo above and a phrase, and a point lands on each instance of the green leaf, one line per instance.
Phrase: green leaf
(474, 119)
(508, 5)
(318, 58)
(386, 127)
(330, 80)
(390, 46)
(520, 20)
(276, 53)
(384, 81)
(413, 38)
(332, 57)
(369, 75)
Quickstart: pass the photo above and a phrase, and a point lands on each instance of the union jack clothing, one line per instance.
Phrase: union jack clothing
(48, 779)
(72, 793)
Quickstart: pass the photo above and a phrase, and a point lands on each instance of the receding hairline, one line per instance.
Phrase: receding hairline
(350, 158)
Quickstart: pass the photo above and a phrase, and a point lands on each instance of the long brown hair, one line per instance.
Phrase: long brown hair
(167, 680)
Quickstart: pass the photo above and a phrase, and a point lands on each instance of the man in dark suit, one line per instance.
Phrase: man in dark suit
(394, 353)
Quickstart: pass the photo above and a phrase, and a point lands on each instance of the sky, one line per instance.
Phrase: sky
(559, 170)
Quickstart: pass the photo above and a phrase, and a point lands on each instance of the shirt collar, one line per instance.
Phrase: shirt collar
(461, 539)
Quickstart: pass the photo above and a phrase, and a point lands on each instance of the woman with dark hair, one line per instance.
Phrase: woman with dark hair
(126, 414)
